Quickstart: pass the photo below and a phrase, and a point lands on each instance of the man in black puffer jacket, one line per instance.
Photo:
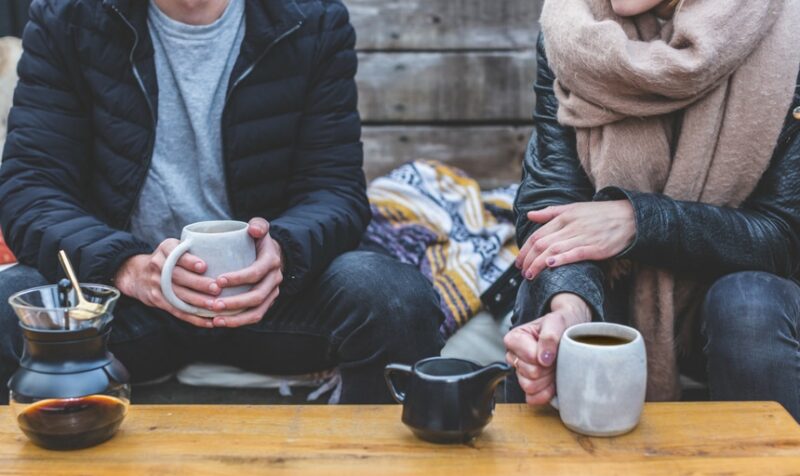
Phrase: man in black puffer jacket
(133, 119)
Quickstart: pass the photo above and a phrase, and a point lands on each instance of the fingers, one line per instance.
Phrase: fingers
(525, 351)
(535, 380)
(249, 317)
(541, 261)
(549, 228)
(159, 256)
(192, 297)
(543, 397)
(266, 262)
(532, 371)
(192, 263)
(195, 282)
(522, 344)
(524, 251)
(538, 243)
(576, 255)
(534, 386)
(543, 248)
(168, 245)
(186, 261)
(546, 214)
(258, 228)
(553, 327)
(254, 297)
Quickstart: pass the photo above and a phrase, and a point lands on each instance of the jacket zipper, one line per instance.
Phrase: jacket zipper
(151, 144)
(238, 80)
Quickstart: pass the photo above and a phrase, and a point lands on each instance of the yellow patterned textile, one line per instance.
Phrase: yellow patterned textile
(437, 218)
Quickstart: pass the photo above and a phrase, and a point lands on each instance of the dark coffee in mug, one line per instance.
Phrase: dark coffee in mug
(601, 340)
(72, 423)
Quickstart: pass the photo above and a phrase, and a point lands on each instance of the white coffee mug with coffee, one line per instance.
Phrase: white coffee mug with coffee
(224, 245)
(601, 378)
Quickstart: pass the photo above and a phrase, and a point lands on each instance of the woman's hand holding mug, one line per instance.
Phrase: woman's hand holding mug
(532, 348)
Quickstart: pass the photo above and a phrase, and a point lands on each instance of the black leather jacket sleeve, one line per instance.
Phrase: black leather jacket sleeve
(703, 240)
(552, 176)
(710, 241)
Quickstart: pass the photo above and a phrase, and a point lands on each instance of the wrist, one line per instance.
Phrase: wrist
(573, 305)
(127, 272)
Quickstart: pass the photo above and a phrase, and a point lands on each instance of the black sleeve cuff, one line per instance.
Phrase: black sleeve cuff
(137, 247)
(652, 232)
(292, 256)
(582, 279)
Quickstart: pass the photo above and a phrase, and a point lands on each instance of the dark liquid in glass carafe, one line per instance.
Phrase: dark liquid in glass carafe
(72, 423)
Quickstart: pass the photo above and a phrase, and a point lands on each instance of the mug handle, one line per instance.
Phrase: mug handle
(388, 373)
(166, 279)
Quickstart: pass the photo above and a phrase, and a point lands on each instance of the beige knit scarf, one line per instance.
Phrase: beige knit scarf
(729, 67)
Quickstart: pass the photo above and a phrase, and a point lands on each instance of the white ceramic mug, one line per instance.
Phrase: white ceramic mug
(601, 388)
(224, 245)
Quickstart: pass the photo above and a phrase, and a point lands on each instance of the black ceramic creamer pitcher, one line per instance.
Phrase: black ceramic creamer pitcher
(446, 400)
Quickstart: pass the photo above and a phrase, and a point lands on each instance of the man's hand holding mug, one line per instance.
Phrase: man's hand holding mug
(223, 273)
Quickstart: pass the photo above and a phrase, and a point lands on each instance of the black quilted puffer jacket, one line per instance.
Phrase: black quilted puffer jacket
(82, 128)
(701, 240)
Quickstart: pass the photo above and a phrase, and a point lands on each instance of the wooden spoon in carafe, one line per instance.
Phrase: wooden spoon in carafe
(85, 309)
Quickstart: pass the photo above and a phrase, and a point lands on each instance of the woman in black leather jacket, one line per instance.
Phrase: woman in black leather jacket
(744, 258)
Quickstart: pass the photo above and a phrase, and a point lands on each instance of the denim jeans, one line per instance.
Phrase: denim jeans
(750, 327)
(364, 311)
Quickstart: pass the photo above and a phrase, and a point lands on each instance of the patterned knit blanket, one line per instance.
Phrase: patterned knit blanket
(437, 218)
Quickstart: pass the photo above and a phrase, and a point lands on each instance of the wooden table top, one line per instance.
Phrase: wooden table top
(672, 438)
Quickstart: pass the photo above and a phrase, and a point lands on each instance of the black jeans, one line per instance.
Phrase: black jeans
(751, 330)
(366, 310)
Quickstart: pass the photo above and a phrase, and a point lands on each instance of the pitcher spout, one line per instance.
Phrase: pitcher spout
(490, 376)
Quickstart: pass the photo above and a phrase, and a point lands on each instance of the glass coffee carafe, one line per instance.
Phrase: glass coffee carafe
(69, 391)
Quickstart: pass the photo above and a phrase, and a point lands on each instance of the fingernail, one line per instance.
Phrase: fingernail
(213, 288)
(222, 322)
(547, 357)
(223, 282)
(529, 275)
(209, 323)
(210, 305)
(198, 266)
(220, 305)
(551, 261)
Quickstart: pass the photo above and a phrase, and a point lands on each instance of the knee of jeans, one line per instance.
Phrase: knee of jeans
(749, 308)
(395, 300)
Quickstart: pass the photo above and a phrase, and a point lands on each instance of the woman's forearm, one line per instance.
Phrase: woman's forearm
(709, 240)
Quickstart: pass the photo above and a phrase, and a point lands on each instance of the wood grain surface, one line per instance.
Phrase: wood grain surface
(445, 24)
(438, 77)
(490, 154)
(672, 438)
(435, 87)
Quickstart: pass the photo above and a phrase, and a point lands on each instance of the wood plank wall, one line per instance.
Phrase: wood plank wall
(450, 80)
